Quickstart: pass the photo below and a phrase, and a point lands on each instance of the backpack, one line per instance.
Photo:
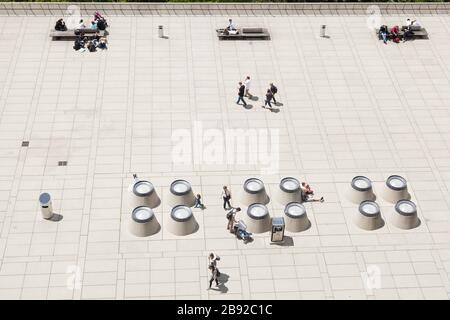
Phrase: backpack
(229, 215)
(396, 40)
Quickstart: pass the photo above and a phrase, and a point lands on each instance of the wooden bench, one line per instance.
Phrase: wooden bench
(70, 34)
(418, 33)
(244, 34)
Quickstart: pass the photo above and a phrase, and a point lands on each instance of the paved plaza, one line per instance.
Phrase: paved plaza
(351, 106)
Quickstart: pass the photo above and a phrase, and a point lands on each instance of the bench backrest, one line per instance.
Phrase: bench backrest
(253, 30)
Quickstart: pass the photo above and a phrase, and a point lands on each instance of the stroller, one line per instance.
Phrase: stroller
(240, 230)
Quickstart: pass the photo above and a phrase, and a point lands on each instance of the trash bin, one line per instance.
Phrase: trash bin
(277, 229)
(322, 30)
(46, 205)
(160, 32)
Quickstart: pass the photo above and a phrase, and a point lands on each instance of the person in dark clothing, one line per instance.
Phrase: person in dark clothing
(101, 24)
(79, 42)
(269, 97)
(274, 90)
(241, 93)
(60, 25)
(198, 202)
(214, 276)
(226, 195)
(91, 46)
(383, 33)
(408, 34)
(77, 46)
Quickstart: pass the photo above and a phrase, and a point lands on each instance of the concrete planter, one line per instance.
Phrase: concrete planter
(395, 189)
(295, 217)
(181, 221)
(405, 215)
(257, 218)
(288, 191)
(142, 193)
(368, 216)
(143, 222)
(180, 193)
(360, 190)
(253, 192)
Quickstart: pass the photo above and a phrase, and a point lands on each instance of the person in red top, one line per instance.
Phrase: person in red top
(395, 30)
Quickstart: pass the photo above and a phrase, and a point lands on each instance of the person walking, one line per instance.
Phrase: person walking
(214, 276)
(231, 217)
(212, 261)
(269, 97)
(274, 90)
(241, 92)
(226, 196)
(247, 82)
(198, 202)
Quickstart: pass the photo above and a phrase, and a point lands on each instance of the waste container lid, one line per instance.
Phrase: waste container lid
(142, 214)
(369, 208)
(361, 183)
(257, 211)
(406, 208)
(44, 198)
(181, 213)
(253, 185)
(295, 210)
(143, 188)
(180, 187)
(289, 184)
(396, 183)
(278, 221)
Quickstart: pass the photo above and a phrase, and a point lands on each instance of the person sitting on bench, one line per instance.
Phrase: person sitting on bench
(231, 29)
(383, 33)
(79, 43)
(81, 25)
(395, 31)
(60, 25)
(93, 25)
(408, 34)
(414, 24)
(91, 46)
(101, 24)
(102, 43)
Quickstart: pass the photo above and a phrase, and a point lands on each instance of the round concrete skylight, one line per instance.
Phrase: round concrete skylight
(142, 214)
(289, 184)
(294, 210)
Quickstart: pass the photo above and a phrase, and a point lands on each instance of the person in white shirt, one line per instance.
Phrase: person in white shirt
(81, 25)
(212, 259)
(247, 82)
(226, 195)
(231, 25)
(413, 23)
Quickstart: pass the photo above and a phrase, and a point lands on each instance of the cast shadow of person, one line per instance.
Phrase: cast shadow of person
(248, 106)
(223, 278)
(253, 98)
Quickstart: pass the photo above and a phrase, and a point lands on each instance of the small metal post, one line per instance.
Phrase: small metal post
(160, 32)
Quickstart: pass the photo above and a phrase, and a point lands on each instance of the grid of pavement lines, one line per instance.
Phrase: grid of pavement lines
(351, 106)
